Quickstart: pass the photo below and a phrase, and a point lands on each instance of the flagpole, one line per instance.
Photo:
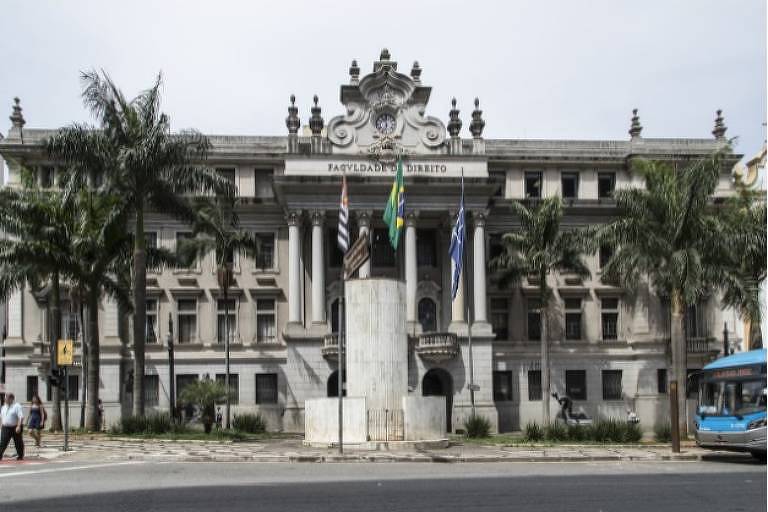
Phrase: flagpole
(467, 295)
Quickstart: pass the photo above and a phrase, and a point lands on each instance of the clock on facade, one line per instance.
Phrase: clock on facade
(385, 123)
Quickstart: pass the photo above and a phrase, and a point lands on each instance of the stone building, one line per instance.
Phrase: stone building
(608, 345)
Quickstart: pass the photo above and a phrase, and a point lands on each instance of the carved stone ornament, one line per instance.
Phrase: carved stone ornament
(385, 116)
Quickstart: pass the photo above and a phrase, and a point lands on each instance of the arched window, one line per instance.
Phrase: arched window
(428, 315)
(332, 387)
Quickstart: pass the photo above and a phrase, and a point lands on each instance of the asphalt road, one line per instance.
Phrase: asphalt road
(730, 484)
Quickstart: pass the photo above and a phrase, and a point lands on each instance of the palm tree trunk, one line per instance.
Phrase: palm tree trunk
(92, 421)
(545, 387)
(55, 331)
(679, 357)
(140, 311)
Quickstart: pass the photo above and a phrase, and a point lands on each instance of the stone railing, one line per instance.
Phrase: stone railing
(437, 346)
(701, 345)
(330, 348)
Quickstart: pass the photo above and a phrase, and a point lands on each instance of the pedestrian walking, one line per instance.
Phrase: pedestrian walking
(36, 420)
(218, 418)
(11, 419)
(100, 411)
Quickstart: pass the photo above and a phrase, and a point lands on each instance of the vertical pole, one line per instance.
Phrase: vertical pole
(226, 348)
(725, 339)
(675, 416)
(66, 408)
(467, 295)
(341, 366)
(172, 377)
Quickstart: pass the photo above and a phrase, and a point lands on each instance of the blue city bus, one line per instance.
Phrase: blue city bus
(731, 409)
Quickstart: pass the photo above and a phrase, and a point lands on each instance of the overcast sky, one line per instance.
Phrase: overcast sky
(542, 69)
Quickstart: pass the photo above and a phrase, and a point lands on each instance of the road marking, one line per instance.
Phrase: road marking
(74, 468)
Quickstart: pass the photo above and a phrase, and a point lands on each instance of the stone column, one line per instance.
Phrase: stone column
(411, 274)
(318, 268)
(294, 267)
(364, 226)
(478, 257)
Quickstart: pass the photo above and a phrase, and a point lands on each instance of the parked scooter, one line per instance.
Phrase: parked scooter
(566, 412)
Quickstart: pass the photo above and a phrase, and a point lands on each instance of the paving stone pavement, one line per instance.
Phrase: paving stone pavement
(106, 448)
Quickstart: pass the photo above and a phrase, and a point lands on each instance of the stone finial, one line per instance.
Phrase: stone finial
(477, 124)
(416, 72)
(454, 124)
(720, 128)
(292, 121)
(316, 120)
(384, 54)
(17, 118)
(354, 73)
(636, 128)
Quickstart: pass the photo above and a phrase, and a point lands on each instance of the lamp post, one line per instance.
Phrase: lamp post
(172, 377)
(726, 350)
(2, 359)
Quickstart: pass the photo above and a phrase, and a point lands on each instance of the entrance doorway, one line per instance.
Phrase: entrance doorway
(332, 387)
(438, 382)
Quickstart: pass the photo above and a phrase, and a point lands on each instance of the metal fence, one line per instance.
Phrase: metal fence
(386, 425)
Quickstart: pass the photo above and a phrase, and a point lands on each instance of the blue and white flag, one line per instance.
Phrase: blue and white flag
(458, 237)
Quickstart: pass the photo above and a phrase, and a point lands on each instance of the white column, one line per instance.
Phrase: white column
(363, 226)
(411, 274)
(318, 269)
(478, 257)
(294, 267)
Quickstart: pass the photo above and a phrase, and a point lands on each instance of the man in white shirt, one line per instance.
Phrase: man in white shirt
(12, 419)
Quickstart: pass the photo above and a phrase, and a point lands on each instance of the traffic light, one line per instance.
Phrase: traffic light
(55, 379)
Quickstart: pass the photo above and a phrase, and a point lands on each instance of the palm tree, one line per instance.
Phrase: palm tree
(35, 223)
(148, 168)
(538, 249)
(668, 233)
(217, 228)
(744, 230)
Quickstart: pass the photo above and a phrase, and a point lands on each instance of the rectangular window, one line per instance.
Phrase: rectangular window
(694, 325)
(534, 385)
(532, 184)
(500, 317)
(182, 381)
(502, 386)
(150, 238)
(73, 393)
(612, 385)
(187, 320)
(234, 386)
(426, 248)
(576, 384)
(151, 390)
(227, 173)
(335, 256)
(266, 388)
(661, 381)
(495, 246)
(263, 184)
(226, 309)
(610, 318)
(606, 184)
(573, 319)
(187, 260)
(570, 185)
(692, 378)
(534, 320)
(265, 259)
(382, 254)
(46, 177)
(70, 324)
(151, 326)
(32, 383)
(265, 321)
(605, 255)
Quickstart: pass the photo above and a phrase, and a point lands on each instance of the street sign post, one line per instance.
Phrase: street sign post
(357, 255)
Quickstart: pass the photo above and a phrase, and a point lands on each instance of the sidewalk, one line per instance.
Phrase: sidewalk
(105, 448)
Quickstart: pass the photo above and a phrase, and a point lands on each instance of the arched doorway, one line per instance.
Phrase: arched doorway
(438, 382)
(332, 388)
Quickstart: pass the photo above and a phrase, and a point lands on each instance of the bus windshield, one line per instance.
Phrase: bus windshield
(731, 398)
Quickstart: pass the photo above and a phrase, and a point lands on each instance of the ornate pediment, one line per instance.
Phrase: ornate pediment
(385, 115)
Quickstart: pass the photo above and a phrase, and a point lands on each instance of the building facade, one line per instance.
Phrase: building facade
(608, 345)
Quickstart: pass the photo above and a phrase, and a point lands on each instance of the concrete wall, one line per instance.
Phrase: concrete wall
(424, 417)
(322, 420)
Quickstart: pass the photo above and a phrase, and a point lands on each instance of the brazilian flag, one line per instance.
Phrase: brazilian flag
(394, 213)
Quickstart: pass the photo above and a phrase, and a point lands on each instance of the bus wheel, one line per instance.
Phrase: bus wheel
(759, 456)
